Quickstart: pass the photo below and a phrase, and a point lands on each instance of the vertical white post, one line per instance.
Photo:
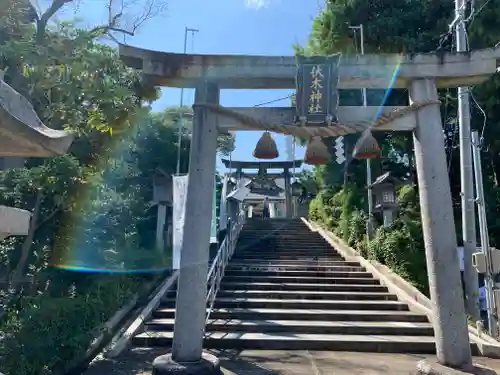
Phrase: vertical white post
(449, 320)
(160, 228)
(466, 177)
(250, 210)
(272, 209)
(485, 238)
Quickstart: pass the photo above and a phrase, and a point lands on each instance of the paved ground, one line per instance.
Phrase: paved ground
(138, 362)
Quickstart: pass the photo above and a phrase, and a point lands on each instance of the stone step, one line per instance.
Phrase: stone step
(299, 326)
(308, 295)
(287, 255)
(266, 285)
(259, 247)
(299, 273)
(282, 242)
(325, 250)
(295, 234)
(303, 262)
(291, 267)
(301, 280)
(302, 304)
(298, 235)
(277, 231)
(268, 257)
(308, 315)
(276, 237)
(287, 251)
(281, 233)
(256, 222)
(278, 256)
(275, 223)
(301, 341)
(287, 240)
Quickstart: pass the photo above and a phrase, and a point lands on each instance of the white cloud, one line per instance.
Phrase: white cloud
(257, 4)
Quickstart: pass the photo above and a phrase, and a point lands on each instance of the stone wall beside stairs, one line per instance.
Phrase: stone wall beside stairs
(481, 341)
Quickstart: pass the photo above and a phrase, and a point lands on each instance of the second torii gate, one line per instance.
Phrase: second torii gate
(285, 165)
(422, 74)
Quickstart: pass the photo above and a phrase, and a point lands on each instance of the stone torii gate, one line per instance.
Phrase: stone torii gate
(422, 74)
(285, 165)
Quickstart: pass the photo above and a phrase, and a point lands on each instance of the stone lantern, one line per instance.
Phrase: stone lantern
(384, 189)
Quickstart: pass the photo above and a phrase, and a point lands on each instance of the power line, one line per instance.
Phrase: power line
(445, 37)
(473, 15)
(273, 101)
(483, 112)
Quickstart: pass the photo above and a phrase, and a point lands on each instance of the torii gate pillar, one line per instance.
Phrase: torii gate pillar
(190, 309)
(448, 310)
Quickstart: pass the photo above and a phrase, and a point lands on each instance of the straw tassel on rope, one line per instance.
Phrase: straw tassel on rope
(266, 147)
(316, 152)
(366, 147)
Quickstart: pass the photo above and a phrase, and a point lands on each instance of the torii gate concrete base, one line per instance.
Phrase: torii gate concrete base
(421, 73)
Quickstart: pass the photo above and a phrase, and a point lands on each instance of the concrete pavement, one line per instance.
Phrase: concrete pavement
(138, 362)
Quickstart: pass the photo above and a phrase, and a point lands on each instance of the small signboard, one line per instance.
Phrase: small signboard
(317, 96)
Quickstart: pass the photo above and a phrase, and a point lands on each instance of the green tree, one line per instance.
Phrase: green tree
(410, 26)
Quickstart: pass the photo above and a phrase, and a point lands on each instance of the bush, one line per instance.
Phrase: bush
(357, 231)
(49, 334)
(321, 209)
(399, 246)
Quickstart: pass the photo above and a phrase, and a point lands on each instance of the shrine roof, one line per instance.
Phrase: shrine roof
(387, 178)
(244, 194)
(22, 133)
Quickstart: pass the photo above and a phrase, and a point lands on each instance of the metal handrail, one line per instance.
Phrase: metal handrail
(224, 255)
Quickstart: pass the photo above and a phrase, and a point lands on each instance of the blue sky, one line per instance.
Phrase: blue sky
(257, 27)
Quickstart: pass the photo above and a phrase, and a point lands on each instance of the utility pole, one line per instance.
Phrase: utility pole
(466, 175)
(369, 226)
(489, 281)
(181, 104)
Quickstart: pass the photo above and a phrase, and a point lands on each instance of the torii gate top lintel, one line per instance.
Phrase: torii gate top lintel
(262, 164)
(279, 72)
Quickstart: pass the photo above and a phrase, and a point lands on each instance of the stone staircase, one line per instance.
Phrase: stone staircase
(287, 288)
